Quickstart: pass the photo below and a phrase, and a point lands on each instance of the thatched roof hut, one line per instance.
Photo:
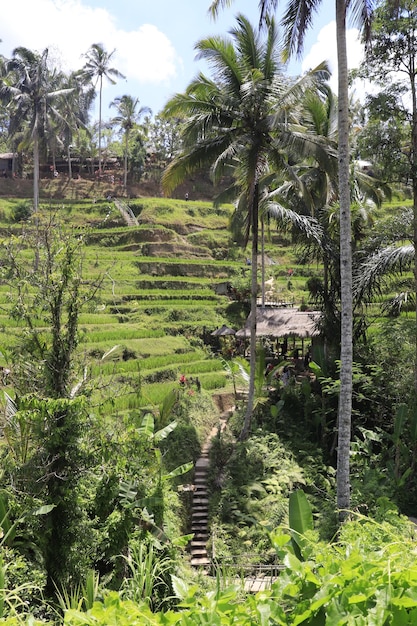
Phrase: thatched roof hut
(224, 331)
(280, 322)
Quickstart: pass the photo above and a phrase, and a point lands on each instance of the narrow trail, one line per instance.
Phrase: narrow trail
(200, 513)
(260, 577)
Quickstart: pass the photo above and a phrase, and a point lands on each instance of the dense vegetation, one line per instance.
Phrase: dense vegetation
(127, 356)
(112, 379)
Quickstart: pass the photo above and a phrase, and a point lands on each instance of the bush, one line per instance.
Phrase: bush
(22, 211)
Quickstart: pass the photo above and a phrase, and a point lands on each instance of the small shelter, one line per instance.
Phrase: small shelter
(223, 331)
(6, 163)
(281, 322)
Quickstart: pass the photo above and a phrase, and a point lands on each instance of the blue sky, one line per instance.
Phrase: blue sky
(153, 39)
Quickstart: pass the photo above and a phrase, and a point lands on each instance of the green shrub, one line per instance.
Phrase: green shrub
(22, 211)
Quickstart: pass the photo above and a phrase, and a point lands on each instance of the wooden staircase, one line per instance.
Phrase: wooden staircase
(200, 511)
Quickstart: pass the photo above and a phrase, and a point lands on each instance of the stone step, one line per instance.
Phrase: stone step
(200, 561)
(197, 552)
(201, 468)
(200, 515)
(200, 501)
(198, 543)
(201, 537)
(202, 463)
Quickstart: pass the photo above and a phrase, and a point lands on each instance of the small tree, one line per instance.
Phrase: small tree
(49, 300)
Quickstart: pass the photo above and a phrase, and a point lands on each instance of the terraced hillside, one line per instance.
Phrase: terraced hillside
(158, 300)
(155, 304)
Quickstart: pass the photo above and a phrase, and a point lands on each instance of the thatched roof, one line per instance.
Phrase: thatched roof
(223, 331)
(280, 322)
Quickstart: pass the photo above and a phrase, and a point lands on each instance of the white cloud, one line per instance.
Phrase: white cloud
(69, 27)
(146, 55)
(325, 49)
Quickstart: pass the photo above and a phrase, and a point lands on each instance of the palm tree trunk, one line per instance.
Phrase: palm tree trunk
(254, 294)
(414, 183)
(346, 348)
(125, 162)
(35, 173)
(263, 261)
(36, 196)
(99, 125)
(69, 164)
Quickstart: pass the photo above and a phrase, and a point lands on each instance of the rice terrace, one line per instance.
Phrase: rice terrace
(208, 340)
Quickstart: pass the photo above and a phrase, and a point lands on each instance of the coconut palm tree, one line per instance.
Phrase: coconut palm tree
(98, 67)
(73, 107)
(314, 191)
(231, 123)
(128, 115)
(30, 89)
(297, 19)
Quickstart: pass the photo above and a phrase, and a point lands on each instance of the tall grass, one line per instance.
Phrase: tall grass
(154, 363)
(113, 333)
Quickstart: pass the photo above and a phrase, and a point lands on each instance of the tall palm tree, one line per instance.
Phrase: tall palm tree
(30, 89)
(297, 19)
(231, 121)
(73, 107)
(98, 67)
(128, 115)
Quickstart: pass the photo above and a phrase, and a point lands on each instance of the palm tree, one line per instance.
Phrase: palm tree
(128, 116)
(98, 67)
(297, 19)
(30, 89)
(231, 122)
(314, 191)
(73, 107)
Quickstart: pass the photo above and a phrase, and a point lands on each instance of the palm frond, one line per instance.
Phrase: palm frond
(373, 272)
(304, 223)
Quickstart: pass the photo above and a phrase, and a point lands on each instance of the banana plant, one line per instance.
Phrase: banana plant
(293, 540)
(155, 502)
